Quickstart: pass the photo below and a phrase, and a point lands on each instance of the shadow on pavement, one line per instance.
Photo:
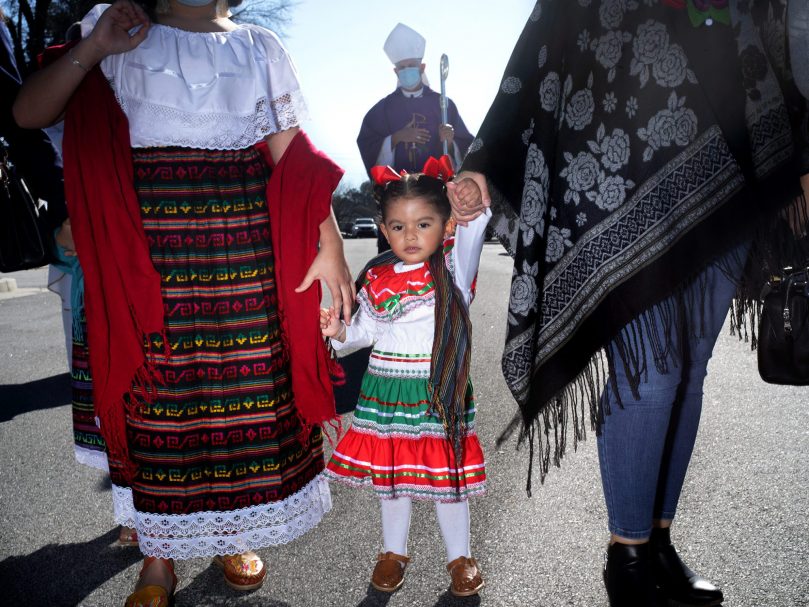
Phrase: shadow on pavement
(449, 600)
(375, 598)
(76, 570)
(208, 589)
(46, 393)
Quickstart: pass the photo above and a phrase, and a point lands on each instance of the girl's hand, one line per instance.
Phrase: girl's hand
(330, 266)
(330, 325)
(111, 36)
(468, 201)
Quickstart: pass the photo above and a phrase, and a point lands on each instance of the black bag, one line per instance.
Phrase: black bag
(783, 334)
(22, 242)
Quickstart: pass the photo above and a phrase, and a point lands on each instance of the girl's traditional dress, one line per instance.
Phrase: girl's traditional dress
(395, 443)
(222, 461)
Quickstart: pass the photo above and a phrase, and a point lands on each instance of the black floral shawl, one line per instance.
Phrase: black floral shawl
(631, 143)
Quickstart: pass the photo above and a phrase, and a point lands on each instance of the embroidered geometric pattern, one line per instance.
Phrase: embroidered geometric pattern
(88, 444)
(639, 230)
(387, 294)
(223, 434)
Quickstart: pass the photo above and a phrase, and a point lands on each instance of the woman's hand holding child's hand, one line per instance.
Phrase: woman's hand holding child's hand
(331, 325)
(466, 198)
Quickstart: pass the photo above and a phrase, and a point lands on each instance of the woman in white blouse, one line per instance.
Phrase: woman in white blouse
(221, 462)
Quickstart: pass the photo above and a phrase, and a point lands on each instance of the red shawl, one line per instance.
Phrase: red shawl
(122, 287)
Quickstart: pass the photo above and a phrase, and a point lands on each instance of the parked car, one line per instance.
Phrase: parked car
(364, 226)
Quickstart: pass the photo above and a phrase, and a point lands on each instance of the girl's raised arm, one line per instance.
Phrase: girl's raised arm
(469, 241)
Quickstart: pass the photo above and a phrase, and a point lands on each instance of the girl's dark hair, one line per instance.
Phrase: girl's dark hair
(416, 185)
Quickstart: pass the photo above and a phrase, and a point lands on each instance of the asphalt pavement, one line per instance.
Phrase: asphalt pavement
(743, 518)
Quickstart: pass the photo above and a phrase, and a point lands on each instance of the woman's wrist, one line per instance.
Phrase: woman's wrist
(86, 54)
(330, 235)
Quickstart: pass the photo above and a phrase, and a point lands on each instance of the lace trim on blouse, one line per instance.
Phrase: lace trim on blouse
(216, 130)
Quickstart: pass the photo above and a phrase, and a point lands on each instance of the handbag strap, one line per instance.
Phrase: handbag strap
(799, 280)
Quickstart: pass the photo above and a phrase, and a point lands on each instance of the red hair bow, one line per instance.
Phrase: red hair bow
(385, 174)
(440, 168)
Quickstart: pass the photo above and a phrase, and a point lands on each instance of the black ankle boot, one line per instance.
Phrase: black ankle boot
(628, 576)
(676, 581)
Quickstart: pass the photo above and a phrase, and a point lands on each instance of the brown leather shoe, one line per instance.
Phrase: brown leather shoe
(466, 577)
(388, 575)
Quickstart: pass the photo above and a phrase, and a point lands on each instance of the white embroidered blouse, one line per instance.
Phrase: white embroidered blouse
(204, 90)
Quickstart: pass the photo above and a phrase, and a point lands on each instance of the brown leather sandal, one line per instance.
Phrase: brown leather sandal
(388, 575)
(153, 595)
(127, 536)
(466, 577)
(242, 571)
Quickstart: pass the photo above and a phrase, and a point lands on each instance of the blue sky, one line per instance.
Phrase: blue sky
(337, 47)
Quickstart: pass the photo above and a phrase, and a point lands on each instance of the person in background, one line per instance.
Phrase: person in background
(404, 129)
(31, 149)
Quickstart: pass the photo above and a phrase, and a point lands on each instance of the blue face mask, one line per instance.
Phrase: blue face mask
(409, 77)
(195, 2)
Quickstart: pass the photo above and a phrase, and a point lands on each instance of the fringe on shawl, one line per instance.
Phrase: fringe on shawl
(781, 244)
(143, 391)
(580, 404)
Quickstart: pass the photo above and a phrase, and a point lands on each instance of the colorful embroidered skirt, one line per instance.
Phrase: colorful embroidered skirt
(223, 463)
(88, 444)
(401, 450)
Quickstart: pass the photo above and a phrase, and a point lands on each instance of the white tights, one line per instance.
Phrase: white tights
(453, 519)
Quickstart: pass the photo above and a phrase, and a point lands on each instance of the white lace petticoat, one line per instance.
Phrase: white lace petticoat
(92, 458)
(210, 533)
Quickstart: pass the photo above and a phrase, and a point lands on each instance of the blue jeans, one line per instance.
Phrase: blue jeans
(645, 444)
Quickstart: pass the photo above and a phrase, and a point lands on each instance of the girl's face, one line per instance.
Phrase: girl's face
(414, 228)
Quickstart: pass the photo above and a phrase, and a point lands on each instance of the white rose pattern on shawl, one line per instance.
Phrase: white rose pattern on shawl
(615, 150)
(674, 125)
(535, 195)
(609, 103)
(594, 173)
(581, 174)
(558, 241)
(549, 92)
(511, 85)
(579, 112)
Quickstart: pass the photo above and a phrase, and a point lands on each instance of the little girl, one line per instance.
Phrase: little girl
(415, 417)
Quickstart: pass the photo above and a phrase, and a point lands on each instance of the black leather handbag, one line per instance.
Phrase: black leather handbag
(22, 243)
(783, 338)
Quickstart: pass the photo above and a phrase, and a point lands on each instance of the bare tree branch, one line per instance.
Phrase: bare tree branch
(273, 14)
